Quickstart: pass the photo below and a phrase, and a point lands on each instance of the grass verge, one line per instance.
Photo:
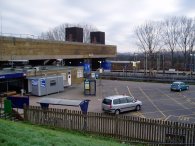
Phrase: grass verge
(23, 134)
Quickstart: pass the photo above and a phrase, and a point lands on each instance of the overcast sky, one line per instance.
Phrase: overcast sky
(117, 18)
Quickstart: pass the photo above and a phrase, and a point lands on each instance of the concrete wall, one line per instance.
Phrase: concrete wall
(74, 73)
(12, 48)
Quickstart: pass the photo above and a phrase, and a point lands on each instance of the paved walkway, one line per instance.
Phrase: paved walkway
(74, 92)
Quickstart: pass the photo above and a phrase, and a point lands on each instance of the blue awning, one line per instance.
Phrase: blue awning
(11, 75)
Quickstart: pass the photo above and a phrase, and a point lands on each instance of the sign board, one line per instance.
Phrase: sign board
(101, 70)
(87, 84)
(10, 76)
(87, 68)
(172, 69)
(34, 82)
(93, 75)
(43, 82)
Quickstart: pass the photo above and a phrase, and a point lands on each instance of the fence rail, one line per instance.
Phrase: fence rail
(121, 127)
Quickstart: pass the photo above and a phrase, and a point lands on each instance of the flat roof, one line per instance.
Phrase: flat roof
(57, 101)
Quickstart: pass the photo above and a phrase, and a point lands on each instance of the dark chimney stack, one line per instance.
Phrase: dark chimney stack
(97, 37)
(74, 34)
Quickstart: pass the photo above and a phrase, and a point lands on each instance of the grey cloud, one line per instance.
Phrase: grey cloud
(117, 18)
(187, 4)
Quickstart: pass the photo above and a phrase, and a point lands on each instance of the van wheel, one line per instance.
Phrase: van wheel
(180, 90)
(138, 107)
(117, 112)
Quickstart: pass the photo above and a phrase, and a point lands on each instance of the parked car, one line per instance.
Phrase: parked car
(120, 103)
(179, 86)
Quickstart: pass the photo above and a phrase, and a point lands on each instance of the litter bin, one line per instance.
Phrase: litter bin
(7, 107)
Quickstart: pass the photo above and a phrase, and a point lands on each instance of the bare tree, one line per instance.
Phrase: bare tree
(192, 37)
(59, 33)
(86, 32)
(148, 36)
(185, 39)
(170, 35)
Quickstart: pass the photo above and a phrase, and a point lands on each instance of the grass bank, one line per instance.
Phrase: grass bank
(22, 134)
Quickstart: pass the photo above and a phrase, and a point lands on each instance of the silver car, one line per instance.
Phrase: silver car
(120, 103)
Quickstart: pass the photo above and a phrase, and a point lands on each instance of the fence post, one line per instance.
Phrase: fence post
(116, 125)
(25, 113)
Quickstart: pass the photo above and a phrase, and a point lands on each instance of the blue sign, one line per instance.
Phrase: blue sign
(35, 82)
(87, 68)
(19, 101)
(43, 83)
(10, 76)
(106, 65)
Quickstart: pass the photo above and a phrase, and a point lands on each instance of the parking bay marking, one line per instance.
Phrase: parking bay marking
(187, 98)
(174, 100)
(115, 89)
(181, 118)
(171, 111)
(151, 101)
(129, 92)
(139, 114)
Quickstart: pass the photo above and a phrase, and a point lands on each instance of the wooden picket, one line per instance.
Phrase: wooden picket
(125, 128)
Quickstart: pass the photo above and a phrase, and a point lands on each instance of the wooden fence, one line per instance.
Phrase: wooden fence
(121, 127)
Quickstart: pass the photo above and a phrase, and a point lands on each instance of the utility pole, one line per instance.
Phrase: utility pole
(163, 63)
(1, 26)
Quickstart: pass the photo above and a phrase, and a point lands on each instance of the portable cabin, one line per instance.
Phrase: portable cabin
(41, 86)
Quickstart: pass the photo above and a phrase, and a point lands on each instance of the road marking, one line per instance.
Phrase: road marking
(151, 101)
(170, 111)
(182, 118)
(167, 118)
(140, 115)
(115, 89)
(174, 100)
(129, 92)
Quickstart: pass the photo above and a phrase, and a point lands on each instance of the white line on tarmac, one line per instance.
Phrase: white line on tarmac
(167, 118)
(174, 100)
(115, 89)
(129, 92)
(169, 111)
(140, 115)
(151, 101)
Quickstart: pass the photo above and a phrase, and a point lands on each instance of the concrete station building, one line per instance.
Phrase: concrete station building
(24, 58)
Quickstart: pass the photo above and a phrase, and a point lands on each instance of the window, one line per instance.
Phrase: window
(123, 100)
(116, 101)
(79, 73)
(107, 101)
(64, 76)
(129, 99)
(52, 82)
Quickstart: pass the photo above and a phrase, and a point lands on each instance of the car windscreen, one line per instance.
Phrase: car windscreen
(175, 84)
(107, 101)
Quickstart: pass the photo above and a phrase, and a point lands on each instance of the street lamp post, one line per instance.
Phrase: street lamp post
(192, 68)
(158, 61)
(100, 71)
(146, 63)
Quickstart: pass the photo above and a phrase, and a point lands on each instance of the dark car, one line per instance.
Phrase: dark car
(179, 86)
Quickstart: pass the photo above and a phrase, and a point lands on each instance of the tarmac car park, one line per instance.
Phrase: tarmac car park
(158, 101)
